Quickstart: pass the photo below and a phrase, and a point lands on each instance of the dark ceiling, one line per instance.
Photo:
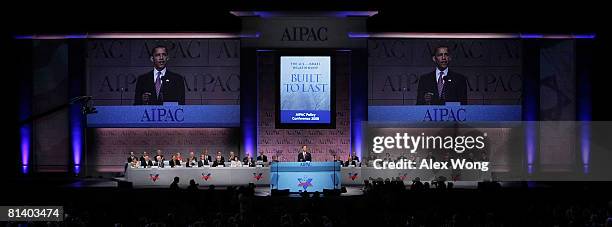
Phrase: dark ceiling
(415, 16)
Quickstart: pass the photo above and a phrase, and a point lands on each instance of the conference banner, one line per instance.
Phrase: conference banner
(305, 90)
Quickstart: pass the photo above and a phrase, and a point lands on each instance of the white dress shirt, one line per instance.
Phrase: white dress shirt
(155, 71)
(437, 73)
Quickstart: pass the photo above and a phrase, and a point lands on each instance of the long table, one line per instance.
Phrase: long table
(225, 176)
(218, 176)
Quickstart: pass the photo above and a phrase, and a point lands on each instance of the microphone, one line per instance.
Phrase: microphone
(121, 97)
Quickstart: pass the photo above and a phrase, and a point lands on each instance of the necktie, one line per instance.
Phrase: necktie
(158, 83)
(440, 84)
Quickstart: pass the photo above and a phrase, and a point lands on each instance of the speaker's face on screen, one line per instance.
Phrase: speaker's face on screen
(160, 57)
(442, 57)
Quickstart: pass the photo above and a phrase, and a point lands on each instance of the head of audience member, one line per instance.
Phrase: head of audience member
(176, 180)
(326, 221)
(305, 220)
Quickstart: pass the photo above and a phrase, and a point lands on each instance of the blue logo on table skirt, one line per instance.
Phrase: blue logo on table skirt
(305, 182)
(154, 177)
(258, 176)
(206, 177)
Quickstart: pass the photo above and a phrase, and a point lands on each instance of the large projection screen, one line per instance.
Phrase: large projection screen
(305, 91)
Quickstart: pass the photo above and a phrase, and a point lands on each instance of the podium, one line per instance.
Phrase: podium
(305, 176)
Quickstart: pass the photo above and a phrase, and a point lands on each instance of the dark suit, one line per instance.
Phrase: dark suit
(262, 158)
(350, 162)
(172, 89)
(248, 161)
(218, 163)
(455, 89)
(208, 158)
(160, 164)
(161, 156)
(175, 163)
(190, 161)
(145, 164)
(301, 157)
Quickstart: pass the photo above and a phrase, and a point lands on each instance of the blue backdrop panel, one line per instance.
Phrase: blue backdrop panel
(444, 113)
(167, 116)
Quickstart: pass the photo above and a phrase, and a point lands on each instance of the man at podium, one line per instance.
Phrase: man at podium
(441, 85)
(304, 155)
